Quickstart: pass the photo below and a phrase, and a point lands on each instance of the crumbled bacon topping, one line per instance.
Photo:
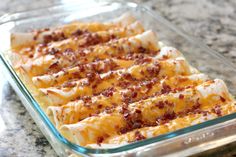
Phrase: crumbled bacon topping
(154, 70)
(142, 50)
(108, 92)
(222, 99)
(55, 36)
(93, 77)
(143, 60)
(165, 88)
(69, 84)
(160, 104)
(133, 120)
(87, 99)
(116, 77)
(78, 32)
(166, 118)
(127, 76)
(217, 110)
(181, 96)
(139, 136)
(100, 140)
(91, 39)
(53, 51)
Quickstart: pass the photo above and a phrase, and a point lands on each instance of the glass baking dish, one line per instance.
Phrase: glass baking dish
(182, 142)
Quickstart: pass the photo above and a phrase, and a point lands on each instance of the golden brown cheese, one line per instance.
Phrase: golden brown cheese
(95, 83)
(145, 42)
(147, 112)
(80, 109)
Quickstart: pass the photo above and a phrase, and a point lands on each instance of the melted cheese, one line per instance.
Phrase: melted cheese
(113, 83)
(77, 110)
(149, 111)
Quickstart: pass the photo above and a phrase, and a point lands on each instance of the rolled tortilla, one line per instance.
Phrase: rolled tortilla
(81, 70)
(80, 109)
(147, 111)
(156, 69)
(21, 39)
(146, 42)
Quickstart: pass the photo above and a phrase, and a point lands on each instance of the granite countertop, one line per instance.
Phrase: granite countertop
(214, 22)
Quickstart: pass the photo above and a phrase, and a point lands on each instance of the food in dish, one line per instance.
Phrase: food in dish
(108, 84)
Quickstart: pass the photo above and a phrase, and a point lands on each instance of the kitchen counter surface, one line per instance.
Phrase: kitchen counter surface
(213, 22)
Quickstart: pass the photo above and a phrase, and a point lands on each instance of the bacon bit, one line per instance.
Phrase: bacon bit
(53, 51)
(92, 39)
(127, 76)
(46, 29)
(123, 84)
(154, 70)
(109, 110)
(204, 113)
(47, 38)
(170, 104)
(81, 68)
(123, 130)
(100, 140)
(126, 98)
(78, 32)
(87, 99)
(99, 106)
(133, 56)
(81, 53)
(54, 37)
(134, 94)
(55, 66)
(124, 109)
(31, 56)
(112, 64)
(92, 76)
(166, 118)
(138, 111)
(196, 105)
(133, 120)
(143, 60)
(181, 96)
(222, 99)
(69, 84)
(142, 50)
(217, 110)
(165, 88)
(108, 92)
(139, 136)
(160, 104)
(112, 36)
(178, 89)
(68, 51)
(76, 74)
(148, 84)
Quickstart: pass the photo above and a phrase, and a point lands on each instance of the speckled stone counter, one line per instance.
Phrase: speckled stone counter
(213, 22)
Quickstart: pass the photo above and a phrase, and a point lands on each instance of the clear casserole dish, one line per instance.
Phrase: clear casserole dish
(182, 142)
